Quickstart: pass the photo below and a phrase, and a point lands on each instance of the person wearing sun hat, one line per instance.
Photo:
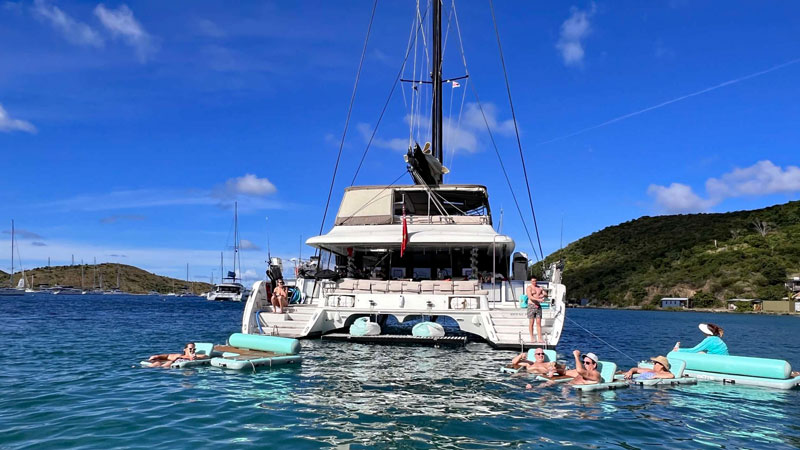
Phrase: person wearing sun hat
(660, 370)
(712, 344)
(585, 371)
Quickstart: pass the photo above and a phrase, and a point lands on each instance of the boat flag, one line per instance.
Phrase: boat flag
(455, 84)
(404, 242)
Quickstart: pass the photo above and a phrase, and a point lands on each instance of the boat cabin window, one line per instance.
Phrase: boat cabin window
(444, 202)
(423, 264)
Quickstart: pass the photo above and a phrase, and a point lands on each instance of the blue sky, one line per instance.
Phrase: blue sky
(128, 130)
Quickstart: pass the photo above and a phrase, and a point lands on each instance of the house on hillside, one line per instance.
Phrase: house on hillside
(675, 302)
(735, 303)
(793, 285)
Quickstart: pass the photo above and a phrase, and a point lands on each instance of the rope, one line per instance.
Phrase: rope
(601, 340)
(516, 129)
(347, 121)
(385, 106)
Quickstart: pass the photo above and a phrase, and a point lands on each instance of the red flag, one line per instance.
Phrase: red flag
(405, 234)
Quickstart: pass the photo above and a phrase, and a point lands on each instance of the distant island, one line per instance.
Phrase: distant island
(707, 257)
(104, 276)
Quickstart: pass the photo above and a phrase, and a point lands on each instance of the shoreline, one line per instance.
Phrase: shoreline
(705, 310)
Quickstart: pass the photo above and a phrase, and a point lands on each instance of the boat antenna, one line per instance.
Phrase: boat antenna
(561, 244)
(436, 75)
(269, 252)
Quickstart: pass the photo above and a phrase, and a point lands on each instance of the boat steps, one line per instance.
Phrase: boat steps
(434, 341)
(289, 324)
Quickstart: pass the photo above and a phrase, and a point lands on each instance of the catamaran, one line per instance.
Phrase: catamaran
(414, 252)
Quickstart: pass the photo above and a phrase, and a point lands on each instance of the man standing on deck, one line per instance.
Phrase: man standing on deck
(535, 297)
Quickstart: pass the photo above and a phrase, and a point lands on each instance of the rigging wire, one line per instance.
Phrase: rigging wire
(600, 339)
(383, 111)
(516, 129)
(347, 121)
(494, 144)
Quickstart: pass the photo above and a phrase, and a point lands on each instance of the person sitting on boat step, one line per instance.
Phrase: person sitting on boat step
(539, 366)
(660, 370)
(535, 297)
(712, 344)
(280, 297)
(585, 371)
(166, 359)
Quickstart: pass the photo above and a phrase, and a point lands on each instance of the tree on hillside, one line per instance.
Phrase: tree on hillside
(762, 227)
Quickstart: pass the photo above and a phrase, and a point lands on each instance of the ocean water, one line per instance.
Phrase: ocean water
(70, 379)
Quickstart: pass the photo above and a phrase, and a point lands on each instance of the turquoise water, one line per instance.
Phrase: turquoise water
(71, 379)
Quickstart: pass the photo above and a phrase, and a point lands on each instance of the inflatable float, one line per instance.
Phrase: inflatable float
(676, 366)
(363, 327)
(549, 356)
(607, 382)
(201, 348)
(427, 329)
(744, 370)
(252, 351)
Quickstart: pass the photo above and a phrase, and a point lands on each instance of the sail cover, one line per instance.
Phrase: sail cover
(368, 205)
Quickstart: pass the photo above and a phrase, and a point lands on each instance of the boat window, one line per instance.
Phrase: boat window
(453, 203)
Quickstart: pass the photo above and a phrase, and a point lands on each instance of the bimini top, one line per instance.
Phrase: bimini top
(419, 235)
(383, 205)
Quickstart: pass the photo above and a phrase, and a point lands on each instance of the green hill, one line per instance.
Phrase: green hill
(131, 279)
(742, 254)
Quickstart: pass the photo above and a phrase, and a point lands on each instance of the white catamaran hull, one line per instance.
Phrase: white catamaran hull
(490, 314)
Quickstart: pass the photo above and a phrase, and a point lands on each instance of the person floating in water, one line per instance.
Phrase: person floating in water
(539, 366)
(166, 359)
(712, 344)
(660, 370)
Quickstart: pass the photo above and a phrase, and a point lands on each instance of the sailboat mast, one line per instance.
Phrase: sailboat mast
(11, 276)
(235, 239)
(436, 67)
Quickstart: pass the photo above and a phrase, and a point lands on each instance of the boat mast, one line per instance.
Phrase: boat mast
(11, 276)
(436, 75)
(235, 239)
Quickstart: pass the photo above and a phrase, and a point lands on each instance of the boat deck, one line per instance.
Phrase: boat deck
(434, 341)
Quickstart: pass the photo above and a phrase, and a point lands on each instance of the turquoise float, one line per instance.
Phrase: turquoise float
(428, 329)
(744, 370)
(549, 356)
(607, 382)
(273, 344)
(677, 367)
(252, 351)
(201, 348)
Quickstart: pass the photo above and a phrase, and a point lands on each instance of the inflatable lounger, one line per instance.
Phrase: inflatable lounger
(607, 372)
(249, 351)
(744, 370)
(676, 366)
(201, 348)
(549, 356)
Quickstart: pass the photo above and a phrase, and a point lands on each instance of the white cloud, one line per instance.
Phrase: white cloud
(8, 124)
(250, 184)
(74, 31)
(246, 244)
(762, 178)
(473, 119)
(573, 31)
(121, 23)
(19, 233)
(398, 144)
(677, 198)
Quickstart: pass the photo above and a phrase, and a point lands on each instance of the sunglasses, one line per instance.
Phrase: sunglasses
(538, 354)
(589, 361)
(191, 349)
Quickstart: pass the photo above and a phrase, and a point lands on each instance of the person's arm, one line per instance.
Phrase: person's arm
(578, 363)
(703, 346)
(634, 370)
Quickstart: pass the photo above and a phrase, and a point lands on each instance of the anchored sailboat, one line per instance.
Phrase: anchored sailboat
(11, 290)
(230, 289)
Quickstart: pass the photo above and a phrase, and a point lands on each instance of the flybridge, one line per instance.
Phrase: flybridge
(444, 204)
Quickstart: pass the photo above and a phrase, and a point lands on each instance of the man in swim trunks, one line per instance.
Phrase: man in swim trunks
(535, 297)
(539, 366)
(660, 370)
(166, 359)
(585, 371)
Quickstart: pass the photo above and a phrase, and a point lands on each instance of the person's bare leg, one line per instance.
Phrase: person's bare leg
(539, 330)
(530, 328)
